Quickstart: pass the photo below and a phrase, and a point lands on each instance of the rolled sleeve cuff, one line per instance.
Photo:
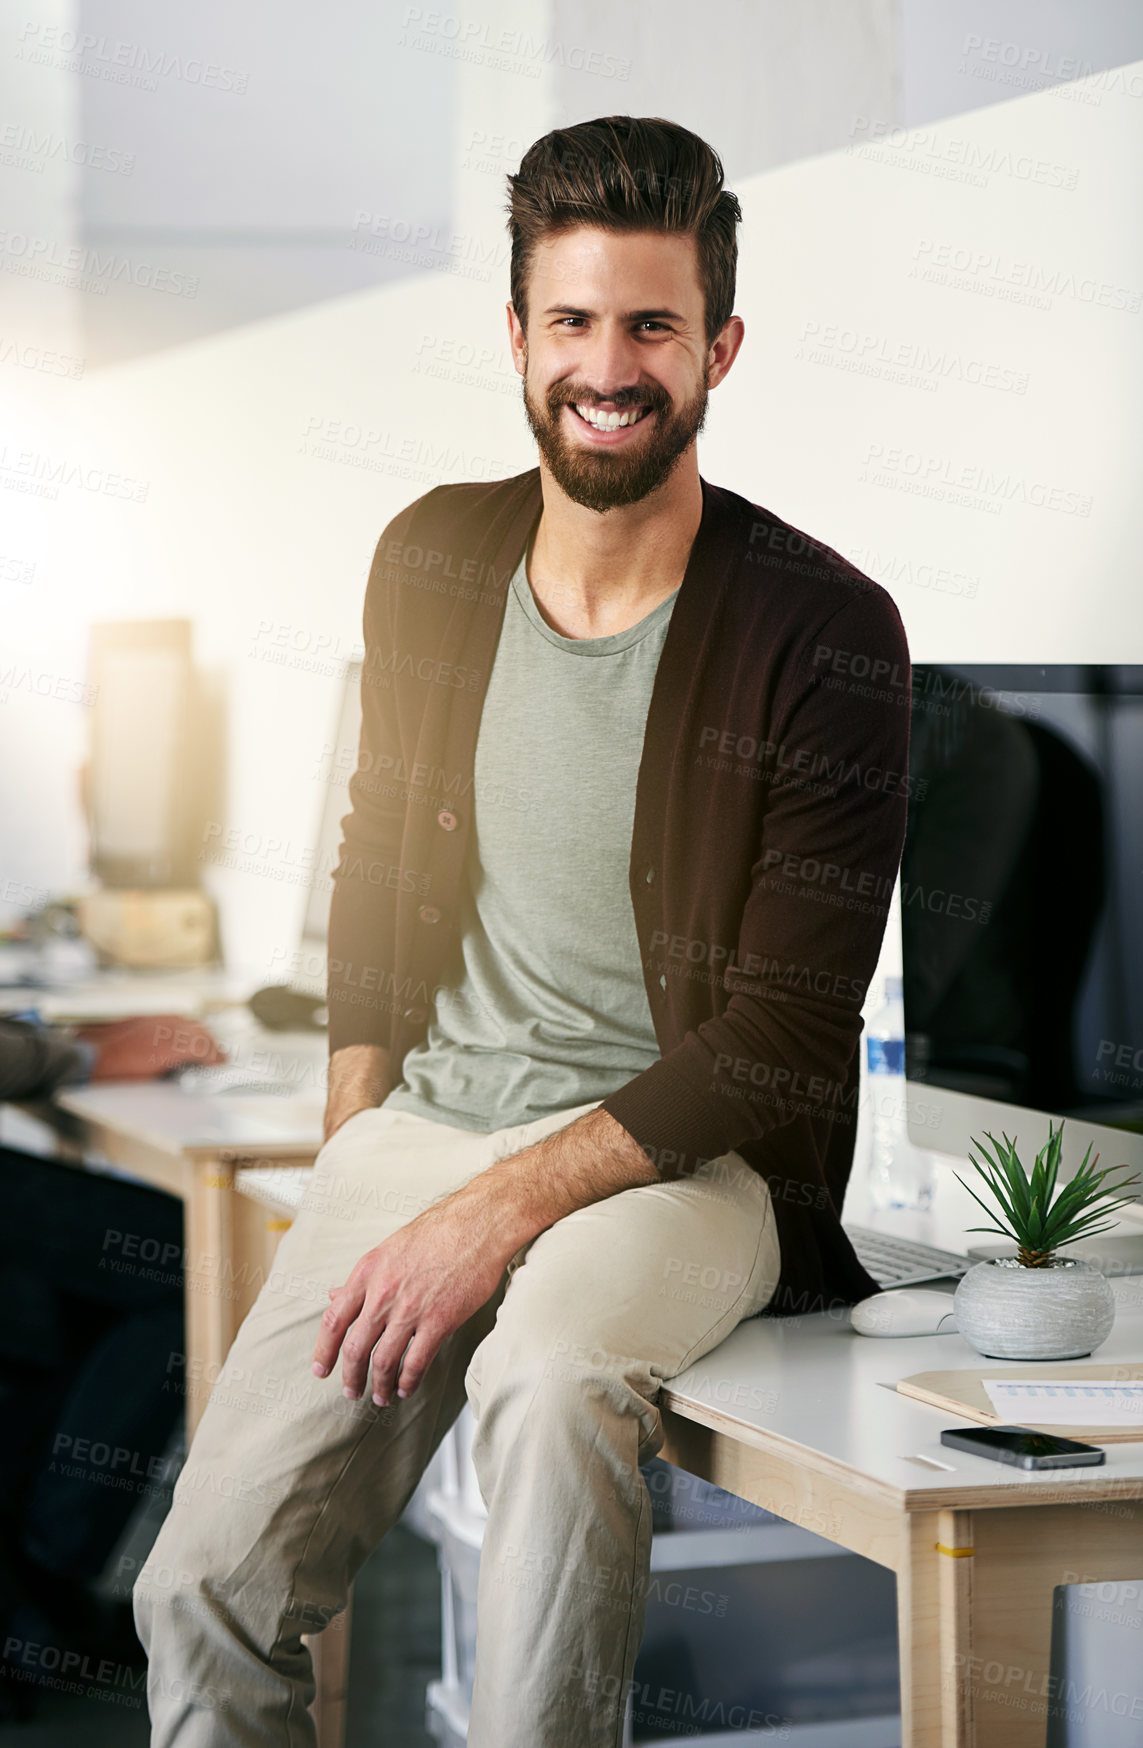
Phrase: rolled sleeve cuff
(677, 1128)
(81, 1070)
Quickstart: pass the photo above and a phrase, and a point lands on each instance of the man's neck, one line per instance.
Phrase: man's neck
(594, 575)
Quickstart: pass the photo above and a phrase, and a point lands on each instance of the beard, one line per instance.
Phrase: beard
(606, 479)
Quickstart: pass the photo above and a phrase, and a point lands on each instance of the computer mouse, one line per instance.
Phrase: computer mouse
(905, 1311)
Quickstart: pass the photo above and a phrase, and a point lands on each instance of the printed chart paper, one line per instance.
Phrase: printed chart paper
(1068, 1402)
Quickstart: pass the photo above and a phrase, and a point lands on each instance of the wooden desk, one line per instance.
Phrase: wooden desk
(792, 1414)
(189, 1141)
(191, 1144)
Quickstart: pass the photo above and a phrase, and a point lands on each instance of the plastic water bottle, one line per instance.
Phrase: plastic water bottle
(900, 1174)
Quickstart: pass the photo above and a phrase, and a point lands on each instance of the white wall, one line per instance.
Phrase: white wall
(234, 146)
(259, 536)
(257, 133)
(852, 411)
(41, 369)
(956, 55)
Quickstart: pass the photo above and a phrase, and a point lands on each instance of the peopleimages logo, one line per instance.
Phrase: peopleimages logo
(508, 50)
(988, 273)
(22, 148)
(121, 62)
(1028, 68)
(910, 363)
(935, 153)
(974, 485)
(892, 568)
(87, 269)
(42, 475)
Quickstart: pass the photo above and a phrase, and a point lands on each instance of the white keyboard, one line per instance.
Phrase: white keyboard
(898, 1262)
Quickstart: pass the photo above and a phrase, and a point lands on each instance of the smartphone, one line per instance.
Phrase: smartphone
(1021, 1446)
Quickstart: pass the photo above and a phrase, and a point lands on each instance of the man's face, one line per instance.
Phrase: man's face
(615, 325)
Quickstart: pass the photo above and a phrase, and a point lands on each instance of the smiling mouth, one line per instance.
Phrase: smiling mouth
(618, 420)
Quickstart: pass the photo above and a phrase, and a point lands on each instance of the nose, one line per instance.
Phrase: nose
(611, 364)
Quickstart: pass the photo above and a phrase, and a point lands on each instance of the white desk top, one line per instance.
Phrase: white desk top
(812, 1382)
(185, 1118)
(179, 1120)
(120, 994)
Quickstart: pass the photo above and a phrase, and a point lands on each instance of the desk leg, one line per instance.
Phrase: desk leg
(212, 1299)
(330, 1653)
(934, 1614)
(918, 1632)
(255, 1234)
(1022, 1553)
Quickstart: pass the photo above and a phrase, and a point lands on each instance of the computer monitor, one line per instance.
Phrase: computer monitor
(1021, 913)
(145, 774)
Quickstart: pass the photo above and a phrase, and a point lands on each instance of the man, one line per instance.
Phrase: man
(597, 960)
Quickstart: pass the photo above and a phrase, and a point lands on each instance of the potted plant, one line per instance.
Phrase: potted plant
(1037, 1305)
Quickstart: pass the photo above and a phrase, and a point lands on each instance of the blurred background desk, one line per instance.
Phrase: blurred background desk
(191, 1144)
(189, 1137)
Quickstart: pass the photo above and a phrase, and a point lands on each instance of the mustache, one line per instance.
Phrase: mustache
(620, 402)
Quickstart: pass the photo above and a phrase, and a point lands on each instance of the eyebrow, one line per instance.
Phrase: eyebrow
(561, 309)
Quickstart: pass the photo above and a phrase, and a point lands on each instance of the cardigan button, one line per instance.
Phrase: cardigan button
(649, 876)
(663, 980)
(429, 913)
(446, 819)
(415, 1014)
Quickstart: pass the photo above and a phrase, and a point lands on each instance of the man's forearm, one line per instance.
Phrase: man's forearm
(590, 1159)
(358, 1079)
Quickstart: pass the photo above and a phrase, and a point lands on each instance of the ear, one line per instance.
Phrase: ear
(516, 340)
(724, 348)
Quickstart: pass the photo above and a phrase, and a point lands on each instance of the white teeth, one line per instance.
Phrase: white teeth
(610, 421)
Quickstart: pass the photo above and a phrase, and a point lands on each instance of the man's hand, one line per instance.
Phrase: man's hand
(147, 1045)
(409, 1294)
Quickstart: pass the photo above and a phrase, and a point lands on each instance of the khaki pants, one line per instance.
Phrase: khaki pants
(289, 1486)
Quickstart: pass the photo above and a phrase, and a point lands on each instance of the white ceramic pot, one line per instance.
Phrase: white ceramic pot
(1061, 1312)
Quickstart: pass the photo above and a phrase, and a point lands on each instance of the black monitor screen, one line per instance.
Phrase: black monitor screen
(1021, 887)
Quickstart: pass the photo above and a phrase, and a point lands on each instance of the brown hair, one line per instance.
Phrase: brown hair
(627, 173)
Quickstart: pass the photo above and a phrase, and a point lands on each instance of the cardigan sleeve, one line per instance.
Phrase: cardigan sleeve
(363, 904)
(34, 1060)
(838, 788)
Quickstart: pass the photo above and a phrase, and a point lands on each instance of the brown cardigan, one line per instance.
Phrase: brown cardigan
(769, 820)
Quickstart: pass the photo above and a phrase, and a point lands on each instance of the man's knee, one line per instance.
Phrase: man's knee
(208, 1542)
(522, 1384)
(165, 1589)
(186, 1556)
(210, 1566)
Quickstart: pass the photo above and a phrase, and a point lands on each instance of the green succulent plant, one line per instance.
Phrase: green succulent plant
(1029, 1215)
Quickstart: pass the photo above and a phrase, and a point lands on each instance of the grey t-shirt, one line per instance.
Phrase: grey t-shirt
(543, 1006)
